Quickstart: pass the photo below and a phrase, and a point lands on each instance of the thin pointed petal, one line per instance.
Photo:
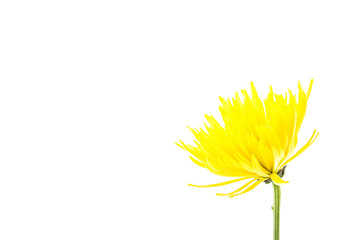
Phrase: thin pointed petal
(310, 142)
(219, 184)
(251, 187)
(237, 190)
(257, 167)
(310, 88)
(201, 164)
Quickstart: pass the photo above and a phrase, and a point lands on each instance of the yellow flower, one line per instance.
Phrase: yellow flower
(256, 140)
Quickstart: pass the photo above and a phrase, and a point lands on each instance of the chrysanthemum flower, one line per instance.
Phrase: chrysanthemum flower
(255, 142)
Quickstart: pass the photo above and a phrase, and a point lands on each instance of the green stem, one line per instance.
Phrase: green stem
(276, 211)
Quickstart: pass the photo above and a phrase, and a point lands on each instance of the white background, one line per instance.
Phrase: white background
(94, 94)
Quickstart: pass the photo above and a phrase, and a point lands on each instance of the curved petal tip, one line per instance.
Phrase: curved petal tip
(277, 180)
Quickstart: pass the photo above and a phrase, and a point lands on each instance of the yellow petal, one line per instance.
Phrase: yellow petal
(310, 88)
(258, 169)
(310, 142)
(201, 164)
(237, 190)
(277, 180)
(220, 184)
(251, 187)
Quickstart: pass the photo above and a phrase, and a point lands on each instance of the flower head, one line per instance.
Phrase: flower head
(256, 141)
